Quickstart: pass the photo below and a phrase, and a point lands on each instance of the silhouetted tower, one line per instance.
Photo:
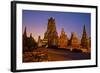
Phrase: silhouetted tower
(32, 38)
(25, 37)
(25, 33)
(31, 43)
(85, 39)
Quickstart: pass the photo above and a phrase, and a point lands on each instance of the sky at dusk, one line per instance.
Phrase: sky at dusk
(36, 22)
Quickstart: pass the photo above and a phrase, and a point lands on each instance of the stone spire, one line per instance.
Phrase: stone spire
(31, 35)
(63, 32)
(84, 32)
(74, 41)
(25, 38)
(25, 33)
(51, 33)
(85, 39)
(63, 39)
(32, 38)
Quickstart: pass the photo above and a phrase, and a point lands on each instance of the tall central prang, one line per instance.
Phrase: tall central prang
(51, 33)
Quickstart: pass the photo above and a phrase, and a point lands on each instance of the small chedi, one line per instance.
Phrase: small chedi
(63, 39)
(85, 40)
(74, 41)
(39, 42)
(52, 40)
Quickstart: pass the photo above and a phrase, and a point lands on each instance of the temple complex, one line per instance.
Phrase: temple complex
(53, 47)
(52, 40)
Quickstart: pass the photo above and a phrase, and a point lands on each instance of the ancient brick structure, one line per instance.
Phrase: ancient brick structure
(51, 34)
(63, 39)
(74, 41)
(85, 40)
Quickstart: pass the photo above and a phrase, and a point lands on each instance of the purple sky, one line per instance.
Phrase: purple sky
(36, 22)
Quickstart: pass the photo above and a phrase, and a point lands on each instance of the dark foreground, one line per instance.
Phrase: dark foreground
(50, 54)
